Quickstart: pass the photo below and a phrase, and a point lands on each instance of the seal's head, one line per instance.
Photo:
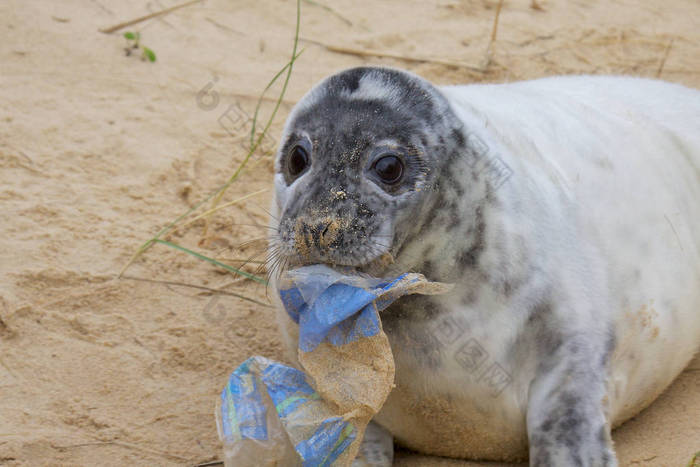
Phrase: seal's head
(358, 163)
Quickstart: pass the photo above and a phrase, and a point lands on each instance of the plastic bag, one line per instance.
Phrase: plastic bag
(273, 414)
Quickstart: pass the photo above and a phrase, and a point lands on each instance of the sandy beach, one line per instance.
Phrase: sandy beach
(100, 149)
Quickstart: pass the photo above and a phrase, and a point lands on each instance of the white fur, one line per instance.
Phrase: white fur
(605, 191)
(626, 154)
(630, 160)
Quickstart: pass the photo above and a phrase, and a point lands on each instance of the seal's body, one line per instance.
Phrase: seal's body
(566, 211)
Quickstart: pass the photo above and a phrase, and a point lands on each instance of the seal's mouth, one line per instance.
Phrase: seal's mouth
(379, 263)
(377, 266)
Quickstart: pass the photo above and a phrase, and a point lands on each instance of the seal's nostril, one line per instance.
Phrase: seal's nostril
(325, 231)
(330, 232)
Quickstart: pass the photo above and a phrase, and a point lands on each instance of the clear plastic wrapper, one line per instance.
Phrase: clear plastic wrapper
(274, 415)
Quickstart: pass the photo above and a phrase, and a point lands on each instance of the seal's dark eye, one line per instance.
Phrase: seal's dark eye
(389, 169)
(298, 160)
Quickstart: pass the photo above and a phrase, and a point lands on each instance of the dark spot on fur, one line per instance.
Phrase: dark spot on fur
(430, 219)
(547, 425)
(350, 80)
(604, 438)
(428, 269)
(468, 298)
(507, 288)
(428, 251)
(470, 258)
(610, 345)
(455, 220)
(490, 197)
(452, 182)
(539, 450)
(459, 138)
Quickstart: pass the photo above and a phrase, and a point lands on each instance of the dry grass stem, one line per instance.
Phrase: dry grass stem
(131, 22)
(382, 54)
(667, 51)
(494, 33)
(222, 206)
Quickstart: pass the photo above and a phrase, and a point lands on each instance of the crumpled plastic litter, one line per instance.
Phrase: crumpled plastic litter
(272, 414)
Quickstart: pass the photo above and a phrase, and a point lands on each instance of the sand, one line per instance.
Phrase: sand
(98, 150)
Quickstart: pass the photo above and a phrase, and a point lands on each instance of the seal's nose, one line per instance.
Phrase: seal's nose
(329, 233)
(316, 237)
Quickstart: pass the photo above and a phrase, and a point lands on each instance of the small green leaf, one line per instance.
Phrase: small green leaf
(130, 35)
(149, 54)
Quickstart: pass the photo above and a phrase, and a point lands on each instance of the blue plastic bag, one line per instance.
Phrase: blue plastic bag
(271, 414)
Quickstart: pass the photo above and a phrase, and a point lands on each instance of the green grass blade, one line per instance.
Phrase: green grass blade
(217, 194)
(213, 261)
(274, 111)
(260, 99)
(168, 227)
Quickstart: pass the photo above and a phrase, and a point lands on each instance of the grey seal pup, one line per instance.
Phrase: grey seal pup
(565, 210)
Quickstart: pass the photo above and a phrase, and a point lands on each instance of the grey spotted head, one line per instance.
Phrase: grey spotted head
(357, 167)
